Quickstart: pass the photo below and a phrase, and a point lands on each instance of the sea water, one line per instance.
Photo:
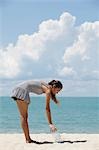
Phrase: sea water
(74, 115)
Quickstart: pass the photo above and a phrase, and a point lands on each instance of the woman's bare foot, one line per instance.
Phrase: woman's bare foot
(29, 141)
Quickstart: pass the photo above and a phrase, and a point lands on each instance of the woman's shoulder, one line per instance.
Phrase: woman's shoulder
(46, 88)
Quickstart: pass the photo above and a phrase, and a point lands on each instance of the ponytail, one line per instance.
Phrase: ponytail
(56, 84)
(52, 82)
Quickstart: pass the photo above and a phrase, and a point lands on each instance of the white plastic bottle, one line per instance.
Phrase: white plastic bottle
(57, 137)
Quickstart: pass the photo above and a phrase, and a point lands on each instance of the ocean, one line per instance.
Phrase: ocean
(74, 115)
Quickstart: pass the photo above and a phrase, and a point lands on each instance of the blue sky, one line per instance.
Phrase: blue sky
(19, 17)
(40, 40)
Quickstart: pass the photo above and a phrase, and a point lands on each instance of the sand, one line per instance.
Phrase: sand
(72, 142)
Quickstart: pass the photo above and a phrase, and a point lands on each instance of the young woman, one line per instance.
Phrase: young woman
(21, 95)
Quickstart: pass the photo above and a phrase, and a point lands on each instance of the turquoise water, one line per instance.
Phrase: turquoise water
(74, 115)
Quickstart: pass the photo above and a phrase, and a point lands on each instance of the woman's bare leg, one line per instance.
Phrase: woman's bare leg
(23, 109)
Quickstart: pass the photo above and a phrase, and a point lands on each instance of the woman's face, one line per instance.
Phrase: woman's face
(55, 90)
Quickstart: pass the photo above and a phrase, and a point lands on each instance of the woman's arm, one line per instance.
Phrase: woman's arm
(48, 111)
(48, 97)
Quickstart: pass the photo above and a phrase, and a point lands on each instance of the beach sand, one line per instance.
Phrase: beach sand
(71, 142)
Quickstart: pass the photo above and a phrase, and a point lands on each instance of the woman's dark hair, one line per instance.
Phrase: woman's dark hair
(56, 84)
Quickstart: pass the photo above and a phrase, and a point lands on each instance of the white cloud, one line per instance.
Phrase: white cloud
(9, 62)
(80, 88)
(68, 72)
(52, 34)
(83, 55)
(58, 50)
(53, 29)
(59, 47)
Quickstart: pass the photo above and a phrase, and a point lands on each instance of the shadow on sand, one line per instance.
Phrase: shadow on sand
(71, 142)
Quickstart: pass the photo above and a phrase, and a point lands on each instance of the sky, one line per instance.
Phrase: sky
(52, 39)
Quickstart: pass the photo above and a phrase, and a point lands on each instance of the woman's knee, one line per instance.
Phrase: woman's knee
(24, 118)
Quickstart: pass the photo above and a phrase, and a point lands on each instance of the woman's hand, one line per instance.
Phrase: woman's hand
(52, 128)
